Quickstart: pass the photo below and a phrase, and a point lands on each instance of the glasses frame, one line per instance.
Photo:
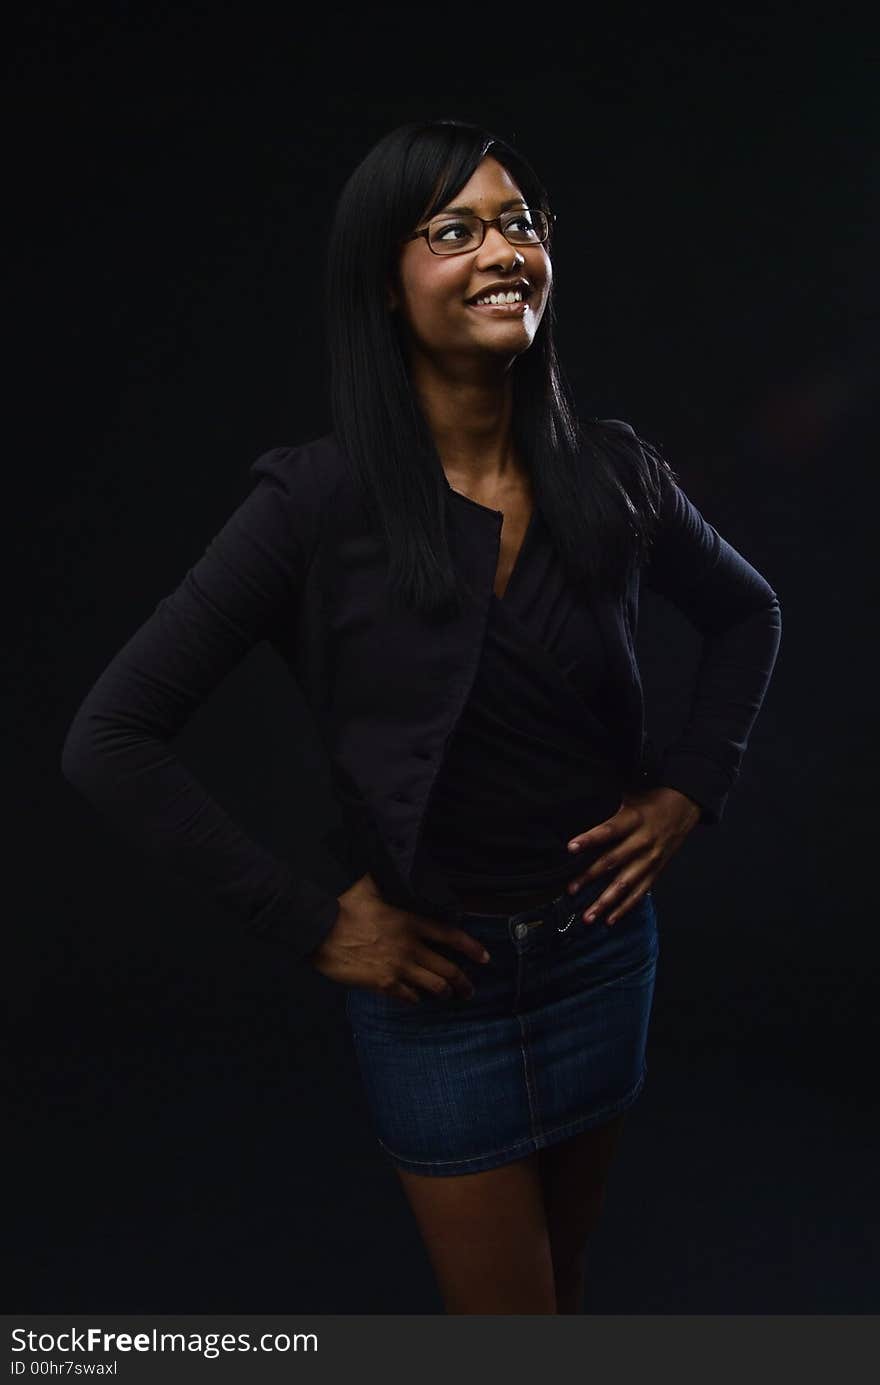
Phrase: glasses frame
(511, 212)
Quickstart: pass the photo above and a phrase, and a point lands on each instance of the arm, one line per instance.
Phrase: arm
(739, 617)
(117, 751)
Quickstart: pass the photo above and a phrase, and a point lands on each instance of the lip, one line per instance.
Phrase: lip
(505, 286)
(509, 286)
(500, 309)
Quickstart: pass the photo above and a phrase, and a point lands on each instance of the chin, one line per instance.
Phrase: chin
(505, 342)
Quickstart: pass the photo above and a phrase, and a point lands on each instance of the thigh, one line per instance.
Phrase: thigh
(486, 1237)
(573, 1176)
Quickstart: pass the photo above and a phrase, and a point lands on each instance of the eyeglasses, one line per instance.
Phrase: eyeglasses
(453, 235)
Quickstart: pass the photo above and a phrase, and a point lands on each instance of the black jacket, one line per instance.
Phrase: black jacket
(295, 564)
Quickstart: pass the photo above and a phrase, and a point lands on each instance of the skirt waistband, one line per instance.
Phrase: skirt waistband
(561, 908)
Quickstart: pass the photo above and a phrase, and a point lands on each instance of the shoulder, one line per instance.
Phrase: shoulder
(643, 463)
(615, 438)
(639, 467)
(306, 480)
(317, 468)
(627, 443)
(617, 425)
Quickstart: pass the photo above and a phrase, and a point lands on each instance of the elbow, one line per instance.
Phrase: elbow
(81, 753)
(75, 756)
(770, 610)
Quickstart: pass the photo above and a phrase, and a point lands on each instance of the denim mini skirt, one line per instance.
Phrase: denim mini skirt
(552, 1041)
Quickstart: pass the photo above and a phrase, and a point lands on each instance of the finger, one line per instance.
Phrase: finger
(600, 867)
(404, 992)
(624, 906)
(623, 855)
(455, 937)
(579, 881)
(470, 946)
(438, 975)
(599, 835)
(615, 896)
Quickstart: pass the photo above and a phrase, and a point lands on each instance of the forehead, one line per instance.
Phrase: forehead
(489, 186)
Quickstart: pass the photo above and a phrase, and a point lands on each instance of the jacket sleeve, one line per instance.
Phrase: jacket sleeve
(118, 749)
(738, 615)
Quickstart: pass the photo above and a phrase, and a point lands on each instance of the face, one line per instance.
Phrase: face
(433, 296)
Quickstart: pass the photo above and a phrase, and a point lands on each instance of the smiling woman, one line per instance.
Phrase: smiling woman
(453, 574)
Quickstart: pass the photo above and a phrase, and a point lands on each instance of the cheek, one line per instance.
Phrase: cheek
(433, 303)
(544, 269)
(426, 315)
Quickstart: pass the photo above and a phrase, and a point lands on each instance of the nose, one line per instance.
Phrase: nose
(497, 250)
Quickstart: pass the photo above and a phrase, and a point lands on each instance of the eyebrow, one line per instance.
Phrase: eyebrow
(505, 206)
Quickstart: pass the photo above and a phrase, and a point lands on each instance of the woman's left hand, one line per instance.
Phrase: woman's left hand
(647, 829)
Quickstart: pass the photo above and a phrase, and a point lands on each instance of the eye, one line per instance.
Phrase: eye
(442, 232)
(523, 221)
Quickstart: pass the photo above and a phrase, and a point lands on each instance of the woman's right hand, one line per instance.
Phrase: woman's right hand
(383, 948)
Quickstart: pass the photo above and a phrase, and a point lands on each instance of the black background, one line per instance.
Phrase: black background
(188, 1128)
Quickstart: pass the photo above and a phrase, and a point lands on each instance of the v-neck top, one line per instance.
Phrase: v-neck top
(531, 761)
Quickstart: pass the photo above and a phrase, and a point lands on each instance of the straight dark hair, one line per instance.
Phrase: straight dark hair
(601, 528)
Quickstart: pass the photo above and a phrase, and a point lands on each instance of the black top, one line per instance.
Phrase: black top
(531, 762)
(297, 564)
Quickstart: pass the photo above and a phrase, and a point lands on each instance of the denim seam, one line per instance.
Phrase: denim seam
(531, 1090)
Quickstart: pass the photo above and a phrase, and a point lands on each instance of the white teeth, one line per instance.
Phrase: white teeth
(513, 297)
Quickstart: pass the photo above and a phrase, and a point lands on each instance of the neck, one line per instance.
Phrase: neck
(470, 419)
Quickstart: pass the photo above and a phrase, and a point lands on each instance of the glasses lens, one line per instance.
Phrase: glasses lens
(526, 227)
(448, 235)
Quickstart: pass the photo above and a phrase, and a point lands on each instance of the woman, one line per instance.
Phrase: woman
(453, 576)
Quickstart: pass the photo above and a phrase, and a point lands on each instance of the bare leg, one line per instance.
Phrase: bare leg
(573, 1175)
(486, 1237)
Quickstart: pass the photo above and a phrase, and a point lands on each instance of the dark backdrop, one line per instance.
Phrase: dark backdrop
(188, 1128)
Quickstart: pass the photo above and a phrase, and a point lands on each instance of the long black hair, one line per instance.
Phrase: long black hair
(600, 515)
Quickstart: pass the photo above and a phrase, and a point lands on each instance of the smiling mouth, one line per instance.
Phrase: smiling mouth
(524, 291)
(501, 309)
